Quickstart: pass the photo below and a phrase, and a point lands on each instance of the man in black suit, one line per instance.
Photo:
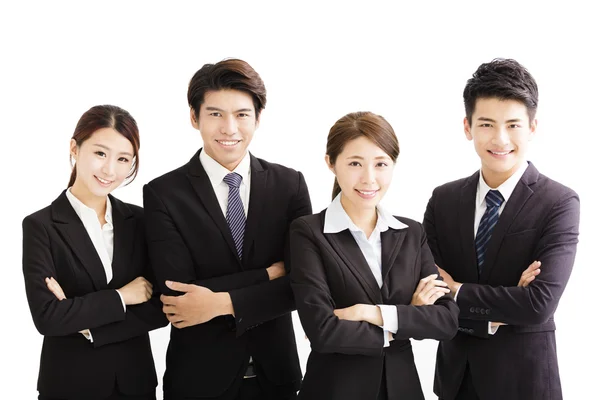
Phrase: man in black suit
(218, 233)
(504, 240)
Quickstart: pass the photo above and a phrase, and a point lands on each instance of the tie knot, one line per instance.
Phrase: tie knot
(494, 198)
(233, 180)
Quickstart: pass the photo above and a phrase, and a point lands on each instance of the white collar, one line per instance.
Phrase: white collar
(337, 220)
(506, 188)
(81, 209)
(216, 172)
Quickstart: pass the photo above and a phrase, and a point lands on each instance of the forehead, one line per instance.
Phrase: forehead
(110, 139)
(496, 108)
(362, 147)
(228, 99)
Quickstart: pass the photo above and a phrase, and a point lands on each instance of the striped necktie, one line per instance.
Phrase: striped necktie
(493, 201)
(236, 218)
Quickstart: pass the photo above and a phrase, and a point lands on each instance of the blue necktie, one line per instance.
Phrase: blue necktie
(235, 211)
(493, 200)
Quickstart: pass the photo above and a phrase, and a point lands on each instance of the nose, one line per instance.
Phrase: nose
(229, 126)
(368, 175)
(501, 137)
(108, 168)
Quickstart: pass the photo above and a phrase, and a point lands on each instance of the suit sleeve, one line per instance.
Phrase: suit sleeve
(326, 332)
(171, 259)
(53, 317)
(438, 321)
(536, 303)
(139, 318)
(469, 327)
(260, 303)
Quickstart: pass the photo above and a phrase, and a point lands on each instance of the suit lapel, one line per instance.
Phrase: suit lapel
(346, 248)
(203, 188)
(73, 232)
(466, 222)
(124, 229)
(391, 241)
(515, 203)
(258, 187)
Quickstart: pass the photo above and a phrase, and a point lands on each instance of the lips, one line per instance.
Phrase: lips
(103, 182)
(500, 152)
(367, 194)
(228, 142)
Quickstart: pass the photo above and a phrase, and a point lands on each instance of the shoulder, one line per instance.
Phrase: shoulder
(277, 170)
(550, 188)
(413, 227)
(454, 186)
(169, 178)
(312, 222)
(41, 216)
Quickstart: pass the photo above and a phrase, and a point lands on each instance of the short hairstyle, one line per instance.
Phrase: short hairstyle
(108, 116)
(504, 79)
(227, 74)
(355, 125)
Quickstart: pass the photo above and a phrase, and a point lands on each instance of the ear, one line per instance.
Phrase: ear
(467, 129)
(532, 128)
(73, 148)
(193, 118)
(329, 165)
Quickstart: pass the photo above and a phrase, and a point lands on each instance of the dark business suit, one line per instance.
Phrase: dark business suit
(539, 222)
(190, 242)
(56, 244)
(329, 271)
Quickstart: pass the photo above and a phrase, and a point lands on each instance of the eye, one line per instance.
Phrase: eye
(514, 126)
(486, 125)
(354, 164)
(243, 115)
(381, 164)
(215, 114)
(100, 153)
(124, 159)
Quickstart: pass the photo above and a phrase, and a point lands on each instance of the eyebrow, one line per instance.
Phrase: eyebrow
(210, 108)
(108, 149)
(362, 158)
(493, 120)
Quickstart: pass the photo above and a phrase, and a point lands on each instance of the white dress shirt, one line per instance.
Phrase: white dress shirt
(216, 172)
(102, 238)
(337, 220)
(506, 189)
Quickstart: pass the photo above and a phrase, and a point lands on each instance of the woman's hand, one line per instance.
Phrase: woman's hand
(137, 291)
(429, 290)
(55, 288)
(361, 312)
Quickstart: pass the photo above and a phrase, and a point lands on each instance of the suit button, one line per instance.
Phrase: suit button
(471, 331)
(487, 311)
(472, 309)
(477, 310)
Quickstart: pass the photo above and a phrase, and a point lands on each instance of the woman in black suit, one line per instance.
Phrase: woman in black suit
(87, 275)
(364, 280)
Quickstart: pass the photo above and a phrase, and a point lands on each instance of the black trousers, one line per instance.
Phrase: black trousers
(467, 390)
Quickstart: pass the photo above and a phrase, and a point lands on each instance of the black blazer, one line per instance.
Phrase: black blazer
(190, 242)
(329, 271)
(540, 222)
(56, 244)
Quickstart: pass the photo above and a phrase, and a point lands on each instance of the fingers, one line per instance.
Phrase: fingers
(178, 286)
(529, 274)
(168, 300)
(55, 288)
(424, 282)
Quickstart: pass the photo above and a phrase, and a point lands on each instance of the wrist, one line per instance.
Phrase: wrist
(454, 286)
(225, 304)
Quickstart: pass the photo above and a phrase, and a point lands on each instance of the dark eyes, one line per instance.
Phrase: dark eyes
(357, 164)
(100, 153)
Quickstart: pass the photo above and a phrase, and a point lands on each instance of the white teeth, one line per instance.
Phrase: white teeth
(104, 181)
(228, 143)
(367, 193)
(500, 153)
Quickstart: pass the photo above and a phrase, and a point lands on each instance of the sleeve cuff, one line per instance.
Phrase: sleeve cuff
(88, 335)
(456, 294)
(389, 314)
(122, 301)
(492, 329)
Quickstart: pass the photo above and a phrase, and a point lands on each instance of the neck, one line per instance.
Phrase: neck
(364, 218)
(96, 203)
(495, 179)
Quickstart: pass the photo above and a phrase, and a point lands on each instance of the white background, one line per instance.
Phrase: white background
(319, 61)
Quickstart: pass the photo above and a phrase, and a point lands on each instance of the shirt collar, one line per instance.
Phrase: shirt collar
(505, 188)
(216, 172)
(337, 220)
(82, 210)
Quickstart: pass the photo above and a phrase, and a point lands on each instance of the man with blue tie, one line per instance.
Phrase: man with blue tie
(504, 240)
(217, 232)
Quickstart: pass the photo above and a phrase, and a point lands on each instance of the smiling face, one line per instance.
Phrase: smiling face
(103, 161)
(227, 121)
(364, 172)
(501, 132)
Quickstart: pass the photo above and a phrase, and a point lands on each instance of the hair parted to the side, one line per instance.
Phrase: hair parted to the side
(504, 79)
(227, 74)
(358, 124)
(108, 116)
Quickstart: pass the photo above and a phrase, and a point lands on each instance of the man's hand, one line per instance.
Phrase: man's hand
(196, 306)
(530, 273)
(277, 270)
(55, 288)
(452, 285)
